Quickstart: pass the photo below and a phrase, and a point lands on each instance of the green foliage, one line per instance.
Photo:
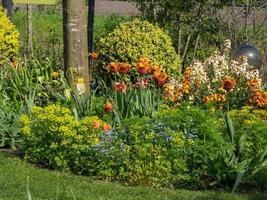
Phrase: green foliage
(9, 125)
(253, 124)
(135, 39)
(236, 162)
(54, 138)
(178, 147)
(108, 24)
(9, 39)
(148, 164)
(185, 142)
(135, 102)
(193, 25)
(31, 83)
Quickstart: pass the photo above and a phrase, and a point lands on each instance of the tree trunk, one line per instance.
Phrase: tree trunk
(8, 6)
(75, 43)
(29, 30)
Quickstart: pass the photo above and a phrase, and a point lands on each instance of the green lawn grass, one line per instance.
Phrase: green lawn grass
(45, 184)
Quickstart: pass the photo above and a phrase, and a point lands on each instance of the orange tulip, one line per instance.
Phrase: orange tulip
(145, 61)
(106, 127)
(160, 78)
(253, 84)
(259, 99)
(154, 69)
(228, 83)
(96, 124)
(123, 68)
(108, 107)
(142, 68)
(113, 67)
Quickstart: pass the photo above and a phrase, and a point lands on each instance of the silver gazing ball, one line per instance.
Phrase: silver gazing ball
(252, 53)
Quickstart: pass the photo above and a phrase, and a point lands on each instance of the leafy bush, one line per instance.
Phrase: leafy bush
(148, 164)
(178, 147)
(253, 124)
(54, 138)
(109, 24)
(9, 124)
(135, 39)
(9, 44)
(237, 162)
(179, 143)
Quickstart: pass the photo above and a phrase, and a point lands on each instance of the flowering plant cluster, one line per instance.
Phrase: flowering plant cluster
(136, 89)
(138, 76)
(64, 138)
(218, 80)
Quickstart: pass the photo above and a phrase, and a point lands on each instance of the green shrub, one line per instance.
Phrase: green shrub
(54, 138)
(252, 123)
(109, 24)
(9, 125)
(250, 127)
(178, 147)
(9, 43)
(180, 143)
(132, 40)
(148, 164)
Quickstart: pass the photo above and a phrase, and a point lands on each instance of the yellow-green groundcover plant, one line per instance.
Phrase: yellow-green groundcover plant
(135, 39)
(9, 39)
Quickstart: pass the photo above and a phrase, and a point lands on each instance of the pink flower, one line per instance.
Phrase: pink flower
(120, 87)
(142, 83)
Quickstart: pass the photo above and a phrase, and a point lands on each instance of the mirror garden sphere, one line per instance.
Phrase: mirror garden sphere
(252, 53)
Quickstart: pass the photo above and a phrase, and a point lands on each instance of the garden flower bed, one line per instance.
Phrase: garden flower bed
(145, 122)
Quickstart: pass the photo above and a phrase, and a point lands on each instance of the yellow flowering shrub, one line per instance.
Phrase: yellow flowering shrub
(9, 39)
(52, 136)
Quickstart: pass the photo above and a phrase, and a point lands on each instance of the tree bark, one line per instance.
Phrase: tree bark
(8, 7)
(29, 30)
(75, 42)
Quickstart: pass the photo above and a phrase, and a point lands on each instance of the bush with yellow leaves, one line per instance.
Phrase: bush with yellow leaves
(54, 138)
(135, 39)
(9, 39)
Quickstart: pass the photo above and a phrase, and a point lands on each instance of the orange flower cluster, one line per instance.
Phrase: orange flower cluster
(214, 98)
(197, 83)
(253, 84)
(144, 66)
(228, 83)
(186, 80)
(154, 69)
(259, 99)
(98, 124)
(119, 67)
(171, 93)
